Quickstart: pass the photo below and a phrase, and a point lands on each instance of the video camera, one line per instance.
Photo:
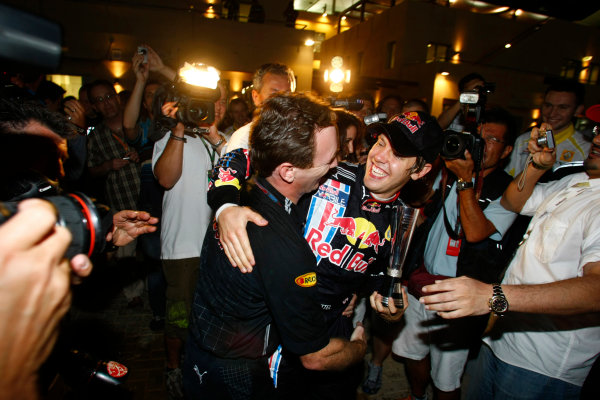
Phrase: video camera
(195, 91)
(350, 104)
(473, 107)
(88, 221)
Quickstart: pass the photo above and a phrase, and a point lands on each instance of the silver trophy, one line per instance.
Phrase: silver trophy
(403, 226)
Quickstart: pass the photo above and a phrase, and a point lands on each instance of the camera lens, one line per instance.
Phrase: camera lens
(453, 147)
(88, 222)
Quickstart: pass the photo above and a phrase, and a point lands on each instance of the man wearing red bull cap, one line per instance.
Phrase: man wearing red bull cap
(347, 228)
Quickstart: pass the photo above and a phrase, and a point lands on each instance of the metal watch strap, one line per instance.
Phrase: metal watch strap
(462, 185)
(498, 295)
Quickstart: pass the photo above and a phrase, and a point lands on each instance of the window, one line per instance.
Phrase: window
(437, 52)
(390, 61)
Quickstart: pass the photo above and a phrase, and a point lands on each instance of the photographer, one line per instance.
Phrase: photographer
(451, 118)
(181, 162)
(462, 231)
(34, 275)
(547, 340)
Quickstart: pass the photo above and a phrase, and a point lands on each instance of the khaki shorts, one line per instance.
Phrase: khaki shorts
(181, 276)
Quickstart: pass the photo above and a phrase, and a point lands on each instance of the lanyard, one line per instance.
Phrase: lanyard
(123, 144)
(210, 154)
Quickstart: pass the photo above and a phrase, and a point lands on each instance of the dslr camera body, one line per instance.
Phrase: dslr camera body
(455, 143)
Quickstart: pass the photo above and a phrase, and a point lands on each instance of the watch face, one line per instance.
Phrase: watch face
(499, 304)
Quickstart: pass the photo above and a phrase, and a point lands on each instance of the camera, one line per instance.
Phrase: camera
(195, 90)
(455, 144)
(144, 51)
(379, 117)
(196, 106)
(351, 104)
(473, 105)
(546, 139)
(87, 220)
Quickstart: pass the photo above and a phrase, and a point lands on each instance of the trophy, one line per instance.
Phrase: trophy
(403, 226)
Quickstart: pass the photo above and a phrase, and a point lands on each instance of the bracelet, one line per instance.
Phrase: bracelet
(181, 139)
(220, 142)
(538, 166)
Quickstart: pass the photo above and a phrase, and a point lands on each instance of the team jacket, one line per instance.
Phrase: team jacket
(346, 228)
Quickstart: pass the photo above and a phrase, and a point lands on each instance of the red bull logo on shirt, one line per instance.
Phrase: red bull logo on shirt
(227, 177)
(357, 230)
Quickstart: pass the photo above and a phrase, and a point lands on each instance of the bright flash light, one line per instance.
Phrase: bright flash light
(309, 42)
(199, 75)
(507, 45)
(337, 75)
(445, 73)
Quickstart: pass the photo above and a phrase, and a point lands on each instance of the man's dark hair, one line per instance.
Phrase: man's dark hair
(275, 69)
(22, 151)
(416, 103)
(237, 100)
(468, 78)
(15, 115)
(500, 116)
(569, 86)
(98, 82)
(345, 120)
(284, 131)
(50, 91)
(386, 98)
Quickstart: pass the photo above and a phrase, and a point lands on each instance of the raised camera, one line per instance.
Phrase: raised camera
(455, 144)
(546, 139)
(144, 51)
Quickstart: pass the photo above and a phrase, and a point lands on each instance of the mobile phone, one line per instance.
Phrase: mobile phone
(144, 51)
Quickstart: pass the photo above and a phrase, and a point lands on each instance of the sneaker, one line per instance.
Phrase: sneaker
(372, 384)
(174, 383)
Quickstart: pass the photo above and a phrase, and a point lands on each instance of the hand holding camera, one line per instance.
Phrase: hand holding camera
(541, 147)
(462, 167)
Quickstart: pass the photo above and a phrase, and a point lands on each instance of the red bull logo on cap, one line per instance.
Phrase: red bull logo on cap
(411, 120)
(306, 280)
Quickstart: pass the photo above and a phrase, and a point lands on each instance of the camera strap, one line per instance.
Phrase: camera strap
(456, 233)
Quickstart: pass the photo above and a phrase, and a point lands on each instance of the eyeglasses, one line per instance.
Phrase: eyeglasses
(102, 99)
(493, 140)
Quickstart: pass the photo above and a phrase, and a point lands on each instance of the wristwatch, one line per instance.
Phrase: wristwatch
(498, 302)
(462, 185)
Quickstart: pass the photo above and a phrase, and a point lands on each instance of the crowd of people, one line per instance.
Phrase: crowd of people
(275, 235)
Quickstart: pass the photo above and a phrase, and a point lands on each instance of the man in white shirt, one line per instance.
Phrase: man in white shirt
(545, 349)
(268, 79)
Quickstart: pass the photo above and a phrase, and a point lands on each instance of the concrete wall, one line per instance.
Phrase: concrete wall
(93, 30)
(519, 72)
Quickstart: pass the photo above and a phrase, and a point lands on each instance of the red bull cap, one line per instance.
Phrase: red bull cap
(413, 133)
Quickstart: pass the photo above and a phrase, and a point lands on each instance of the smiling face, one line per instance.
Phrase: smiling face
(386, 173)
(559, 108)
(592, 163)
